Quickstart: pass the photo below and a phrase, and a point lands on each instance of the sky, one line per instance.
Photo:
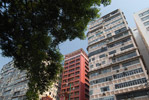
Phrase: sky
(129, 7)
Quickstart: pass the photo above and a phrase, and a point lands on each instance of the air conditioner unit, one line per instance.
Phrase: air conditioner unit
(125, 68)
(117, 71)
(103, 94)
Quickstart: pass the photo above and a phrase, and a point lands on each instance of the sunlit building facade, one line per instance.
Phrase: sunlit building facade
(75, 82)
(142, 22)
(116, 70)
(14, 85)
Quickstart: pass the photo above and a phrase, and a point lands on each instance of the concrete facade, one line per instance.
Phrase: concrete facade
(14, 84)
(75, 82)
(142, 22)
(142, 47)
(116, 70)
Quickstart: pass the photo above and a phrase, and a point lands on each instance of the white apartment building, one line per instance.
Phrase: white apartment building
(14, 84)
(142, 47)
(116, 70)
(142, 22)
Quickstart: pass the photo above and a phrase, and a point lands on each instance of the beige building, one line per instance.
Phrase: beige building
(116, 70)
(142, 47)
(142, 22)
(53, 91)
(14, 84)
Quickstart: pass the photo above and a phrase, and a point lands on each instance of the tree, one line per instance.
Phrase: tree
(30, 31)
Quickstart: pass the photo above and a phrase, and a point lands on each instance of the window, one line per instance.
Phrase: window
(65, 76)
(71, 62)
(71, 66)
(100, 38)
(89, 60)
(77, 72)
(77, 93)
(120, 35)
(128, 73)
(99, 33)
(66, 68)
(146, 23)
(77, 77)
(90, 92)
(98, 45)
(103, 89)
(77, 68)
(77, 64)
(116, 67)
(101, 80)
(66, 64)
(77, 60)
(77, 98)
(129, 63)
(94, 74)
(106, 70)
(130, 83)
(145, 18)
(110, 39)
(16, 93)
(105, 98)
(71, 70)
(114, 27)
(112, 52)
(93, 59)
(120, 30)
(90, 37)
(91, 66)
(103, 62)
(70, 79)
(126, 56)
(65, 72)
(98, 64)
(98, 51)
(101, 56)
(126, 47)
(119, 42)
(71, 74)
(108, 35)
(113, 17)
(116, 20)
(144, 13)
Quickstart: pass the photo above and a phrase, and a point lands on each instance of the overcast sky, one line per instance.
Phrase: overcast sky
(129, 7)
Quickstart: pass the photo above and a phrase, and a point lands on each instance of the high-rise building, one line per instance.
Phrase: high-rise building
(14, 85)
(142, 22)
(75, 82)
(116, 70)
(141, 46)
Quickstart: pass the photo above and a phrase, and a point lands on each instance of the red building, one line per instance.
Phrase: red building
(75, 80)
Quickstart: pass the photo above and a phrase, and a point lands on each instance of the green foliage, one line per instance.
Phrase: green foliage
(30, 31)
